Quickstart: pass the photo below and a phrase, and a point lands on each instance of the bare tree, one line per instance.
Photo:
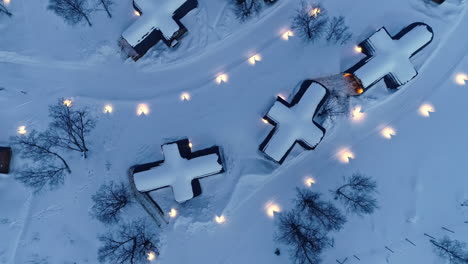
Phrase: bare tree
(109, 201)
(310, 21)
(452, 250)
(69, 127)
(50, 167)
(4, 10)
(357, 194)
(324, 213)
(129, 245)
(106, 4)
(72, 11)
(246, 8)
(337, 104)
(338, 31)
(305, 239)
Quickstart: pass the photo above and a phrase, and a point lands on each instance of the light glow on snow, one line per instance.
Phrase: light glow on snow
(388, 132)
(315, 12)
(190, 144)
(185, 97)
(136, 13)
(426, 110)
(272, 208)
(222, 78)
(143, 109)
(22, 130)
(220, 219)
(255, 58)
(345, 155)
(360, 90)
(108, 109)
(67, 102)
(151, 256)
(173, 213)
(358, 49)
(282, 96)
(6, 2)
(461, 78)
(309, 181)
(286, 35)
(357, 115)
(265, 121)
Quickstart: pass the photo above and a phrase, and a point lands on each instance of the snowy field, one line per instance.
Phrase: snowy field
(421, 171)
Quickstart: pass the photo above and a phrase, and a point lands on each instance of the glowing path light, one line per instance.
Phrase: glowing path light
(265, 121)
(151, 256)
(6, 2)
(461, 79)
(426, 110)
(143, 109)
(108, 109)
(357, 49)
(222, 78)
(309, 181)
(185, 97)
(68, 102)
(282, 96)
(345, 155)
(136, 13)
(286, 35)
(357, 115)
(388, 132)
(190, 145)
(253, 60)
(173, 213)
(220, 219)
(315, 12)
(22, 130)
(272, 208)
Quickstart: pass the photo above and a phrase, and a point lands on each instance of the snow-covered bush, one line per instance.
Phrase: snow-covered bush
(338, 31)
(246, 8)
(310, 21)
(452, 250)
(72, 11)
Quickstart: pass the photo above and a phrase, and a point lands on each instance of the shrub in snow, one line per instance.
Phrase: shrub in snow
(130, 243)
(4, 10)
(310, 25)
(70, 127)
(49, 167)
(109, 202)
(305, 239)
(452, 250)
(357, 194)
(72, 11)
(246, 8)
(324, 213)
(338, 31)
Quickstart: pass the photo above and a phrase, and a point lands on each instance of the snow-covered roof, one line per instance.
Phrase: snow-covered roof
(156, 14)
(391, 57)
(294, 123)
(177, 172)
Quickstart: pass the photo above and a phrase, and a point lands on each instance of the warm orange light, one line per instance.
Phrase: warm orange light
(358, 49)
(220, 219)
(345, 155)
(265, 121)
(426, 110)
(461, 78)
(136, 13)
(360, 90)
(357, 115)
(286, 35)
(67, 102)
(388, 132)
(143, 109)
(22, 130)
(151, 256)
(108, 109)
(185, 97)
(222, 78)
(255, 58)
(309, 181)
(272, 208)
(173, 213)
(6, 2)
(315, 12)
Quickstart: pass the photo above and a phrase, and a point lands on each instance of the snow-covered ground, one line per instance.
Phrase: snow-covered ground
(420, 171)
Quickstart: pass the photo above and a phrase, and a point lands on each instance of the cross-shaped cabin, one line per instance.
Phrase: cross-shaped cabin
(159, 20)
(389, 58)
(294, 122)
(179, 168)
